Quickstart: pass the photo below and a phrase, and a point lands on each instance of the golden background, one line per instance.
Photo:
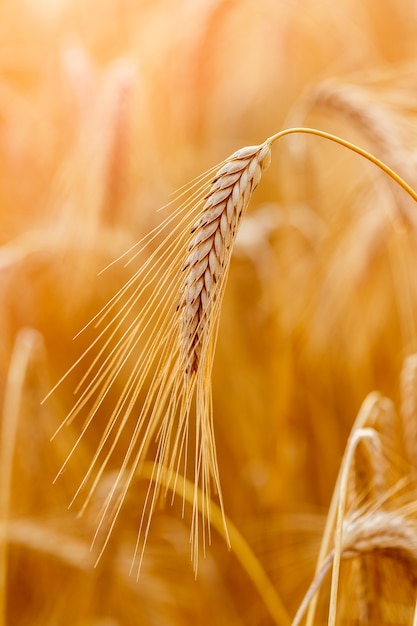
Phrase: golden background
(108, 107)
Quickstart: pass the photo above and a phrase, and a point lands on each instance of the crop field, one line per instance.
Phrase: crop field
(208, 313)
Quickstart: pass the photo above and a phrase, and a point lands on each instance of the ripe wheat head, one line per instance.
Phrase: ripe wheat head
(168, 314)
(182, 283)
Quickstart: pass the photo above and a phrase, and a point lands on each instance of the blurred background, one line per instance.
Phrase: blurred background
(106, 109)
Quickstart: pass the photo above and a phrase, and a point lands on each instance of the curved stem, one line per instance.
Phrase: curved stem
(313, 589)
(356, 436)
(367, 406)
(351, 146)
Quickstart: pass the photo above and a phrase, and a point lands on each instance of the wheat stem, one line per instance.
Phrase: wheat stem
(370, 403)
(184, 279)
(26, 343)
(365, 533)
(351, 146)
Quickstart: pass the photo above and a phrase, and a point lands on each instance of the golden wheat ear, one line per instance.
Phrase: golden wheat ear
(154, 349)
(149, 372)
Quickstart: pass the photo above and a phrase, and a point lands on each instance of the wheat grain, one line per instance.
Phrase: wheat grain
(369, 480)
(383, 531)
(390, 533)
(169, 311)
(211, 247)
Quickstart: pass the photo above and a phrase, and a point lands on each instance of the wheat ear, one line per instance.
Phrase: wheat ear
(381, 532)
(166, 316)
(205, 271)
(182, 283)
(210, 250)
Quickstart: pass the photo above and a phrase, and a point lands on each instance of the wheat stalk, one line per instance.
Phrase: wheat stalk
(168, 313)
(409, 406)
(369, 484)
(390, 533)
(183, 282)
(27, 345)
(383, 531)
(372, 120)
(369, 528)
(369, 414)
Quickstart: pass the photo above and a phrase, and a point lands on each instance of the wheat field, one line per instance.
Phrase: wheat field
(208, 356)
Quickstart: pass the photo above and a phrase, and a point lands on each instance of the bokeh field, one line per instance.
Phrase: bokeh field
(106, 108)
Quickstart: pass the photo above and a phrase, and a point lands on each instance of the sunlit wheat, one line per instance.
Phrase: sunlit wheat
(174, 300)
(166, 319)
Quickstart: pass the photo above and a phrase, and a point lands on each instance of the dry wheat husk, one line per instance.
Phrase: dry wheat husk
(168, 313)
